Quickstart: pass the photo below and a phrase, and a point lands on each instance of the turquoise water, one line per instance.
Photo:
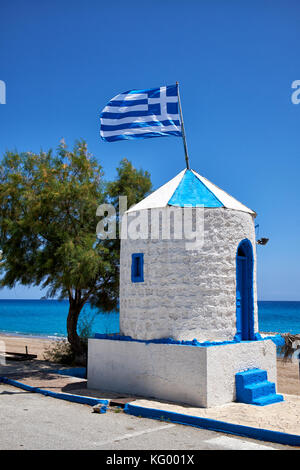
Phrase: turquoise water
(48, 317)
(279, 317)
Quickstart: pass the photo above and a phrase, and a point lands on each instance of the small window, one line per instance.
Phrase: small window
(241, 251)
(137, 267)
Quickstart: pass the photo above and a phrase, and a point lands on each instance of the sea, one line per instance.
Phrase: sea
(47, 318)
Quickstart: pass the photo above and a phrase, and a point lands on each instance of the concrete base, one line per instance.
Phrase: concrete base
(197, 376)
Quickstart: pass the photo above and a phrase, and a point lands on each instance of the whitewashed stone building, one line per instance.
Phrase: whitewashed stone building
(187, 289)
(188, 301)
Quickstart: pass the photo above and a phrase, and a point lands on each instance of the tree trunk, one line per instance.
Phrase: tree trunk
(73, 338)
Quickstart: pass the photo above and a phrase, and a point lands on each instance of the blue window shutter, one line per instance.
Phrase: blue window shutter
(137, 267)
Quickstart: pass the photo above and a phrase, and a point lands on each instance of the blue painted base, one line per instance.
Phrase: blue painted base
(277, 339)
(253, 388)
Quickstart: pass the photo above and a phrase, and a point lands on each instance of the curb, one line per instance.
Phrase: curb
(214, 425)
(79, 372)
(61, 396)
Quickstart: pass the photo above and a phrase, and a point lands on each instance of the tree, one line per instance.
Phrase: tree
(48, 222)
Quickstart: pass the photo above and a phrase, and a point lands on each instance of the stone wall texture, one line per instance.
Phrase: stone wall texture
(186, 293)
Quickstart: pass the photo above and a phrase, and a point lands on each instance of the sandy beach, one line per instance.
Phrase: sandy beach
(287, 372)
(34, 345)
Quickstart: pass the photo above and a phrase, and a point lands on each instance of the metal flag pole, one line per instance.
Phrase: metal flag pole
(182, 130)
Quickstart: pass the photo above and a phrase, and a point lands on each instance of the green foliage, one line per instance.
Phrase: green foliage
(134, 184)
(48, 217)
(117, 409)
(48, 225)
(60, 352)
(85, 326)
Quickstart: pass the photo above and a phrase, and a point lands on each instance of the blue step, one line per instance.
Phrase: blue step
(268, 400)
(253, 387)
(259, 389)
(251, 376)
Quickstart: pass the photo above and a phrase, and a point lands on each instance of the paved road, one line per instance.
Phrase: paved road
(32, 421)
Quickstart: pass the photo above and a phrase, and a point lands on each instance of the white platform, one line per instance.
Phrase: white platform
(197, 376)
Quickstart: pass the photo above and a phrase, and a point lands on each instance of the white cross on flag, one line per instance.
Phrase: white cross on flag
(140, 114)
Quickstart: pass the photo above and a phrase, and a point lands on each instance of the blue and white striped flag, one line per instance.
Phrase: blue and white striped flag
(140, 114)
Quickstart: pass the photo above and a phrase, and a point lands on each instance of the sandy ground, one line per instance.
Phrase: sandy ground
(18, 343)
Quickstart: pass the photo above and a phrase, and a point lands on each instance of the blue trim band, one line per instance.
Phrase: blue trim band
(276, 339)
(214, 425)
(61, 396)
(194, 342)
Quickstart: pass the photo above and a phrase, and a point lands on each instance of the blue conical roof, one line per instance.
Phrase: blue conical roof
(192, 192)
(189, 189)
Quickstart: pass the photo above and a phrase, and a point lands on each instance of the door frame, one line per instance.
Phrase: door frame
(246, 314)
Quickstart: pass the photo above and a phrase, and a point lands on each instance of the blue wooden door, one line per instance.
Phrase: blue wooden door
(242, 310)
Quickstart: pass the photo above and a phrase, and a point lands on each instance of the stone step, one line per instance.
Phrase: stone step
(253, 387)
(258, 390)
(268, 399)
(251, 376)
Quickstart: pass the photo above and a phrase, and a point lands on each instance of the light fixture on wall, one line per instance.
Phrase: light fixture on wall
(262, 241)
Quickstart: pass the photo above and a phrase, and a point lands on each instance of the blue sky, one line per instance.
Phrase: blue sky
(63, 60)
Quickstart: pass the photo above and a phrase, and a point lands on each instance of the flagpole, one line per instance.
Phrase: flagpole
(182, 130)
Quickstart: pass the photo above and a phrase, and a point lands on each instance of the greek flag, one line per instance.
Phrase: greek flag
(140, 114)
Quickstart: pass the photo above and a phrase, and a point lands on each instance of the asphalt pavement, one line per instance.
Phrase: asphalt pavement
(34, 422)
